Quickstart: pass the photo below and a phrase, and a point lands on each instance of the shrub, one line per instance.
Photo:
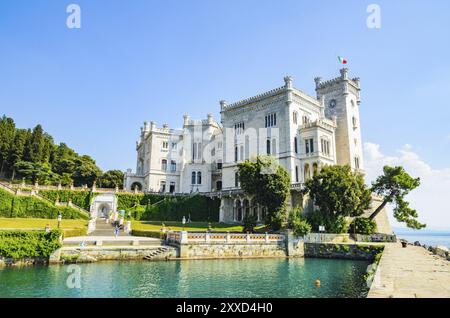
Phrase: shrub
(336, 225)
(200, 208)
(298, 223)
(14, 206)
(21, 244)
(81, 198)
(154, 234)
(363, 225)
(249, 223)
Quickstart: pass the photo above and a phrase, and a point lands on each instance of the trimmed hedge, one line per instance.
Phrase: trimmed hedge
(21, 244)
(81, 198)
(154, 234)
(14, 206)
(199, 208)
(74, 232)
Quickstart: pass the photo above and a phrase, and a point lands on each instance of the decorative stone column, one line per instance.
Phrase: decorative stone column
(127, 228)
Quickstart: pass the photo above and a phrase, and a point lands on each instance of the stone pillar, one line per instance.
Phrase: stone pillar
(247, 237)
(127, 228)
(266, 238)
(207, 237)
(228, 239)
(91, 226)
(183, 237)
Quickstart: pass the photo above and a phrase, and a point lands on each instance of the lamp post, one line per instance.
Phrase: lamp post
(59, 220)
(183, 221)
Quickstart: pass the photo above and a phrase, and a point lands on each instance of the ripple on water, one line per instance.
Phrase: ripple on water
(258, 278)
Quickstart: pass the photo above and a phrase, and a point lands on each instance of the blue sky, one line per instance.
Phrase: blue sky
(155, 60)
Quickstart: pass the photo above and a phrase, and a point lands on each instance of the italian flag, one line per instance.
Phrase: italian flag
(342, 60)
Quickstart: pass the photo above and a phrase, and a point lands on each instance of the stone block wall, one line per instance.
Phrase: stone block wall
(343, 251)
(198, 251)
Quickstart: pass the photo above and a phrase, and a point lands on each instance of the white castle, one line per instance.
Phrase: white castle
(302, 132)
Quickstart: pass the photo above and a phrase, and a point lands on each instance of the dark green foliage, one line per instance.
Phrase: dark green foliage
(80, 198)
(394, 185)
(298, 223)
(269, 184)
(249, 223)
(363, 225)
(33, 155)
(111, 179)
(332, 224)
(199, 208)
(21, 244)
(13, 206)
(338, 193)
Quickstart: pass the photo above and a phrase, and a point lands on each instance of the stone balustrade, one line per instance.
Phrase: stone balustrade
(185, 237)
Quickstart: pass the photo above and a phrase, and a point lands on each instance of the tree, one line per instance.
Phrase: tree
(111, 179)
(7, 133)
(269, 184)
(338, 193)
(85, 171)
(394, 185)
(298, 223)
(17, 150)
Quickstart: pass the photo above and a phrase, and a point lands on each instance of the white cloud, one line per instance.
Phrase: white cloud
(431, 199)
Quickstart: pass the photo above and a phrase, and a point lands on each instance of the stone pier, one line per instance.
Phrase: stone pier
(411, 272)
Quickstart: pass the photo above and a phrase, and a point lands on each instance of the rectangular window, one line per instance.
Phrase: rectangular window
(296, 173)
(271, 120)
(174, 145)
(173, 166)
(165, 145)
(309, 145)
(239, 128)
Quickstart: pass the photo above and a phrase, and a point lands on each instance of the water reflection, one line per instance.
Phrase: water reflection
(193, 278)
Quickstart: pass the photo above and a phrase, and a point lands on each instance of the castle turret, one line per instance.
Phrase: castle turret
(341, 99)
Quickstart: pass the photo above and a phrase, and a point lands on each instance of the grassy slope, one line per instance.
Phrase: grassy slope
(178, 226)
(28, 223)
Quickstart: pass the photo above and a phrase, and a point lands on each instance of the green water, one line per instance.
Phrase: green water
(196, 278)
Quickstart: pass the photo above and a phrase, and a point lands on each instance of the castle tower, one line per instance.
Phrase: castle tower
(341, 97)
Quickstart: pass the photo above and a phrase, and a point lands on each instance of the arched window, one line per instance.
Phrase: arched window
(173, 166)
(296, 173)
(199, 177)
(294, 117)
(236, 153)
(306, 172)
(295, 145)
(164, 165)
(356, 163)
(219, 185)
(354, 122)
(236, 179)
(268, 146)
(194, 177)
(315, 169)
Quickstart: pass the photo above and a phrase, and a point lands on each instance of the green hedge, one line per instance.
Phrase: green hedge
(14, 206)
(154, 234)
(81, 198)
(126, 201)
(199, 208)
(21, 244)
(74, 232)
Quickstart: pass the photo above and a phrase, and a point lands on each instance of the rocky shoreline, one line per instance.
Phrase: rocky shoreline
(439, 250)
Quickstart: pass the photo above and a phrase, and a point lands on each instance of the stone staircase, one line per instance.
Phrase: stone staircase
(105, 229)
(156, 252)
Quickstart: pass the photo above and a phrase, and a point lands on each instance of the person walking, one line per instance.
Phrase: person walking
(116, 231)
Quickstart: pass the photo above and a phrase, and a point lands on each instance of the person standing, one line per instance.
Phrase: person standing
(116, 231)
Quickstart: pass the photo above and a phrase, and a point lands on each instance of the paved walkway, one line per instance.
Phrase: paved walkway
(411, 272)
